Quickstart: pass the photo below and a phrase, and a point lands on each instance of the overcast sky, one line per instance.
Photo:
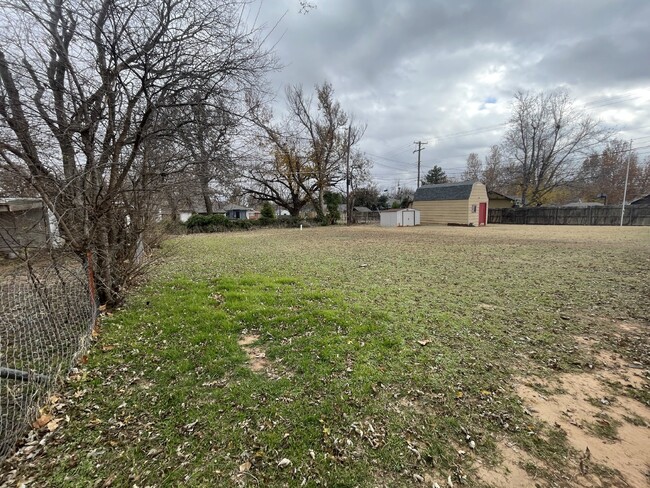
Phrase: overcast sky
(444, 71)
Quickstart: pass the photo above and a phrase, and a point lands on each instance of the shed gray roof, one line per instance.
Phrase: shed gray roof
(444, 191)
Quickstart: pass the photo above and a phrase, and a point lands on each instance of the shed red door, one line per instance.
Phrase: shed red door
(482, 214)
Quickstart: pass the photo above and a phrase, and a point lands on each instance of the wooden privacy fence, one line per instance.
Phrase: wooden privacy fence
(599, 215)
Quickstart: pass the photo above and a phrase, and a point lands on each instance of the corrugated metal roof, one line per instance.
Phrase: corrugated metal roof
(444, 191)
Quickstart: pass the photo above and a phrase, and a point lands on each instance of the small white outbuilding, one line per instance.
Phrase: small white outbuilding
(399, 217)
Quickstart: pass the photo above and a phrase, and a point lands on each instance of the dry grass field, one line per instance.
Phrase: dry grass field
(365, 356)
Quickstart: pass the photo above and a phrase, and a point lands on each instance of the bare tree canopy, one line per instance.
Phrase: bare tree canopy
(545, 140)
(602, 174)
(86, 89)
(493, 171)
(309, 150)
(473, 168)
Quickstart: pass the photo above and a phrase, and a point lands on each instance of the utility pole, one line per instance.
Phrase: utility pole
(348, 210)
(627, 174)
(419, 150)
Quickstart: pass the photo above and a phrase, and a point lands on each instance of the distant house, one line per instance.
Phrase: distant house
(499, 200)
(25, 223)
(191, 207)
(238, 212)
(186, 208)
(463, 203)
(399, 217)
(644, 200)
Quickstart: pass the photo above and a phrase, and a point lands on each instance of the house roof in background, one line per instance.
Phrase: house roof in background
(640, 199)
(232, 206)
(192, 204)
(495, 195)
(11, 204)
(362, 209)
(444, 191)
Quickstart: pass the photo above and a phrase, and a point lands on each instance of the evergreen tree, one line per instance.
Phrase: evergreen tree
(435, 176)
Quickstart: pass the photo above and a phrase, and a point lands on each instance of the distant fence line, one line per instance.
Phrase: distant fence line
(597, 215)
(47, 313)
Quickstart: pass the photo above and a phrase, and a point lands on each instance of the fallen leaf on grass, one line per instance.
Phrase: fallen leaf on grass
(424, 342)
(42, 421)
(52, 425)
(245, 467)
(284, 463)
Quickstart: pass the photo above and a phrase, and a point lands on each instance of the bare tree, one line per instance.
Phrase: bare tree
(473, 168)
(309, 148)
(84, 86)
(206, 140)
(545, 136)
(359, 177)
(496, 172)
(604, 173)
(329, 136)
(285, 179)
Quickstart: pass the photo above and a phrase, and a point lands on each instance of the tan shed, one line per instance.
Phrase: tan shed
(463, 203)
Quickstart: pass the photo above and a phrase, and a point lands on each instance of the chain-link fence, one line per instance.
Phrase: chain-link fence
(47, 313)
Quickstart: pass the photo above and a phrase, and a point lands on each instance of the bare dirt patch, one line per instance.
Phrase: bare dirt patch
(257, 361)
(631, 327)
(616, 369)
(509, 472)
(592, 418)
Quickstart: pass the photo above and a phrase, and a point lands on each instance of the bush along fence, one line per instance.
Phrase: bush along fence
(598, 215)
(47, 314)
(220, 223)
